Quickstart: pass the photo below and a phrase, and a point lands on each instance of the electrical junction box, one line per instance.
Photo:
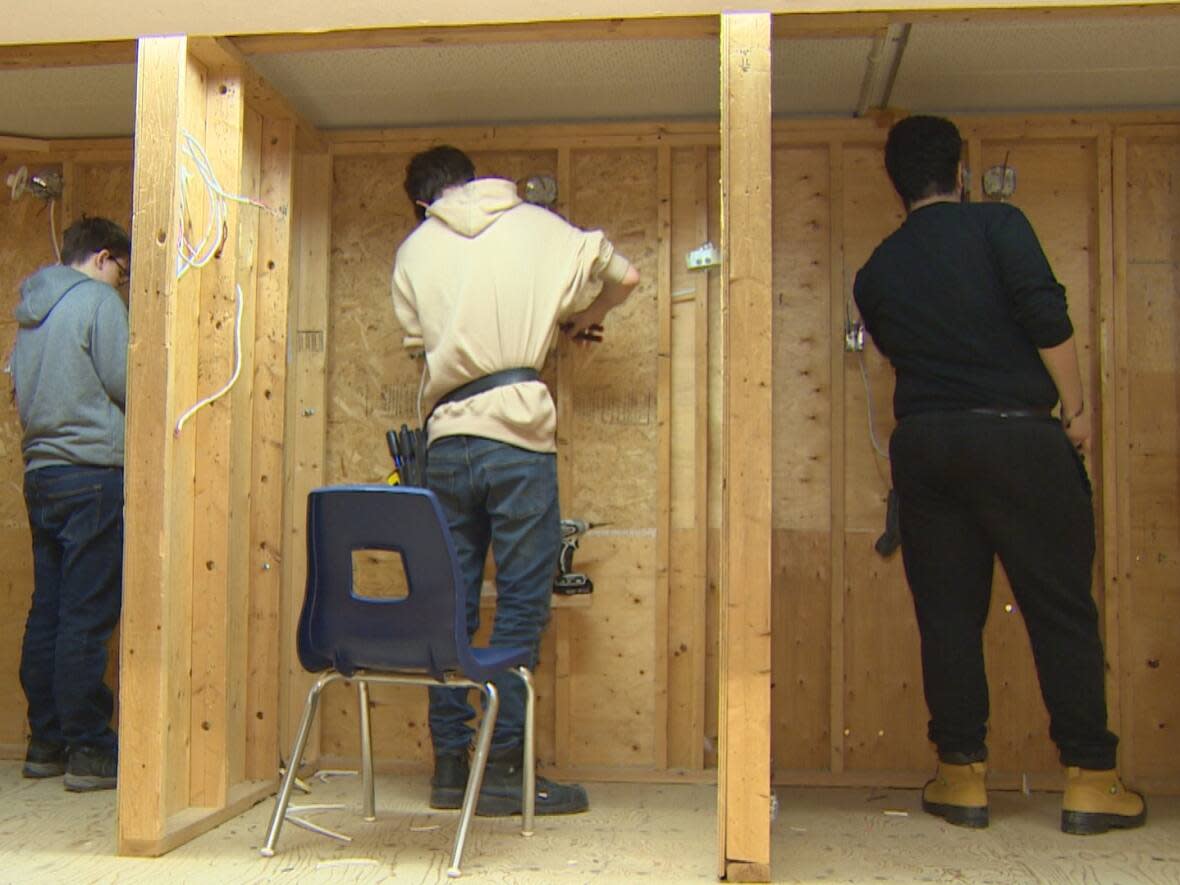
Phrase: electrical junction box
(703, 256)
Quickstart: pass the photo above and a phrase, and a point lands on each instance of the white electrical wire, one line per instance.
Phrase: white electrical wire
(53, 231)
(217, 200)
(233, 378)
(864, 375)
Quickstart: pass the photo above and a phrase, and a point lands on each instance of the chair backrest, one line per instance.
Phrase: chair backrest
(422, 631)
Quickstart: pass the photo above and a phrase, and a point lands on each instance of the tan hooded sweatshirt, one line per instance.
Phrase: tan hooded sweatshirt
(483, 284)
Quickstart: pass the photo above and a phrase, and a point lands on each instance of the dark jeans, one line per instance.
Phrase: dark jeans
(76, 517)
(498, 494)
(972, 487)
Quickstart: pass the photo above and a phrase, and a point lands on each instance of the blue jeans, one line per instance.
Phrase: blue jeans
(498, 494)
(76, 517)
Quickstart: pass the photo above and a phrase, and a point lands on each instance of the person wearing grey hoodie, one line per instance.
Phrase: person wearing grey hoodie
(69, 373)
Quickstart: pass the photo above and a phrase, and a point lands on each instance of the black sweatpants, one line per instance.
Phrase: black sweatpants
(972, 487)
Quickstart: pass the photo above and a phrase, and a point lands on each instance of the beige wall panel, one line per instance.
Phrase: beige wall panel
(614, 438)
(885, 712)
(612, 655)
(801, 684)
(872, 211)
(1152, 612)
(802, 338)
(103, 189)
(614, 431)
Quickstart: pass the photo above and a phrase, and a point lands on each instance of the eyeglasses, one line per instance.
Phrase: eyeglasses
(124, 270)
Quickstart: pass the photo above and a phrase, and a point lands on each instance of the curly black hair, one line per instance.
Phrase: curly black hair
(432, 172)
(88, 235)
(922, 157)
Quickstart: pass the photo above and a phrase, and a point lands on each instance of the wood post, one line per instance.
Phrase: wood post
(746, 301)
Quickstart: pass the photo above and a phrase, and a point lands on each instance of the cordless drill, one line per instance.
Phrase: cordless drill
(569, 582)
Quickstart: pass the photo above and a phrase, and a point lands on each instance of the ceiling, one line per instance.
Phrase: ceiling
(1024, 65)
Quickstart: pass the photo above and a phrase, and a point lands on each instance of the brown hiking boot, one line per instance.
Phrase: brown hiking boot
(958, 795)
(1097, 801)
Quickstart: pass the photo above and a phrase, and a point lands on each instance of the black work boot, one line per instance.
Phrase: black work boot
(503, 789)
(43, 759)
(450, 780)
(91, 769)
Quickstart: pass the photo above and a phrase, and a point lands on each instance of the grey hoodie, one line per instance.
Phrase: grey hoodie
(69, 368)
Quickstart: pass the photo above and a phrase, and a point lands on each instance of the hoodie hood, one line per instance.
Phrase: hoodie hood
(41, 292)
(474, 207)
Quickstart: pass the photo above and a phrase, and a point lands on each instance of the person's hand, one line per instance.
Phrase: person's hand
(584, 327)
(1077, 428)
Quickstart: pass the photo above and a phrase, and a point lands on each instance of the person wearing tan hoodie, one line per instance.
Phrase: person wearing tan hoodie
(484, 285)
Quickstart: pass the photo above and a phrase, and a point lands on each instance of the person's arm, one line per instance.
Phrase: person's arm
(108, 348)
(612, 295)
(1062, 362)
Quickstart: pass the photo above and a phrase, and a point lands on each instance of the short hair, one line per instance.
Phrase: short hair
(431, 172)
(922, 157)
(87, 235)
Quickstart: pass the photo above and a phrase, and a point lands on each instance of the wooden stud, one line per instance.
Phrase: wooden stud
(270, 378)
(663, 549)
(700, 572)
(1116, 435)
(67, 55)
(836, 302)
(210, 428)
(1103, 273)
(29, 145)
(239, 591)
(744, 772)
(158, 523)
(670, 28)
(306, 423)
(562, 684)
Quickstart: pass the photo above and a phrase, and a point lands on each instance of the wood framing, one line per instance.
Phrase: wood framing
(743, 784)
(195, 501)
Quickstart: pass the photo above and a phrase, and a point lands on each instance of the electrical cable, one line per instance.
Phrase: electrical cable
(864, 375)
(217, 200)
(53, 231)
(233, 378)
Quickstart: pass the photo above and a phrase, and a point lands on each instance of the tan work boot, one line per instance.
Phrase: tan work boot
(958, 795)
(1096, 801)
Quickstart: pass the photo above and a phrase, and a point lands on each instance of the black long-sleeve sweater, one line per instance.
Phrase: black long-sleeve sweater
(960, 298)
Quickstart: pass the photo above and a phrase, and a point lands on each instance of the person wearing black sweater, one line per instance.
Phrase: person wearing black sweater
(962, 301)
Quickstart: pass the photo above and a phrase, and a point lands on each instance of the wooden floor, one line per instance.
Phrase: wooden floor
(634, 834)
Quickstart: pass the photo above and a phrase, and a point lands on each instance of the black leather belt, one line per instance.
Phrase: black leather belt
(1013, 413)
(503, 378)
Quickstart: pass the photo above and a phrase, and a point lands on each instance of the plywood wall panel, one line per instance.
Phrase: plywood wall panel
(802, 384)
(1152, 613)
(801, 687)
(885, 712)
(872, 211)
(102, 189)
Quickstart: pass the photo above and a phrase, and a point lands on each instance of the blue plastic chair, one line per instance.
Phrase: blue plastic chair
(419, 639)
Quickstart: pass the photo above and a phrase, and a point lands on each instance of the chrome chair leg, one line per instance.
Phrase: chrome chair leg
(284, 796)
(483, 743)
(369, 799)
(529, 797)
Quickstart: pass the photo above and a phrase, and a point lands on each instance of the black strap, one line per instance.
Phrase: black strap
(503, 378)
